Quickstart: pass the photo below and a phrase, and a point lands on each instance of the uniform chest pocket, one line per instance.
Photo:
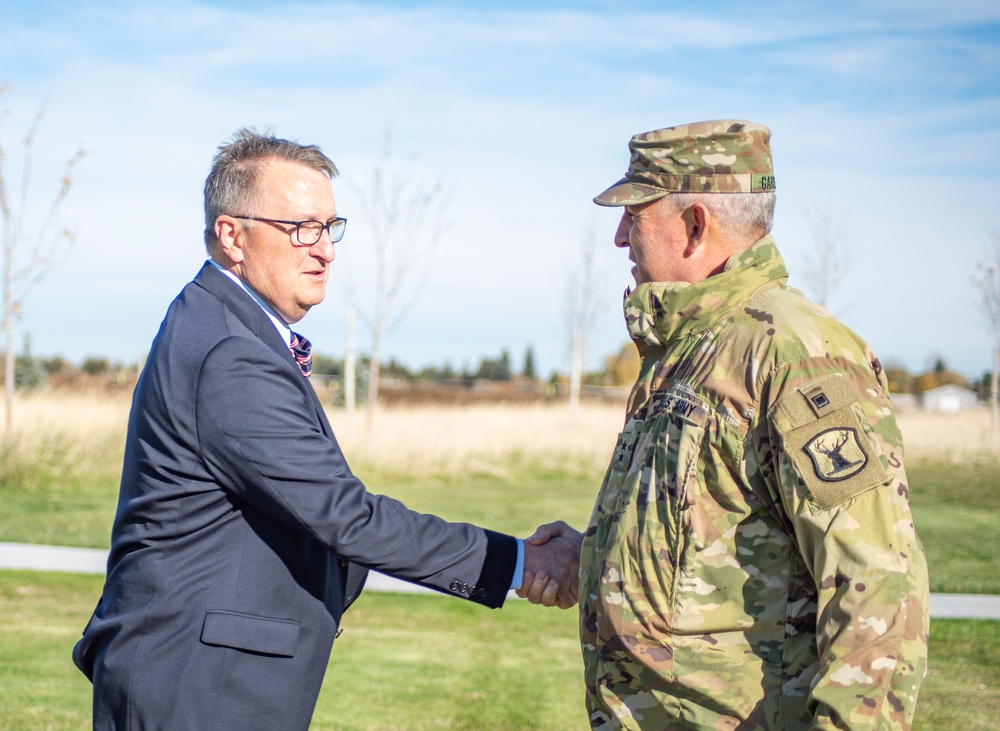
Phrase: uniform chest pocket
(640, 526)
(629, 575)
(656, 456)
(666, 482)
(680, 430)
(675, 458)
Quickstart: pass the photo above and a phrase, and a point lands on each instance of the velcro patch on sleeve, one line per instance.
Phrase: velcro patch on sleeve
(830, 442)
(622, 456)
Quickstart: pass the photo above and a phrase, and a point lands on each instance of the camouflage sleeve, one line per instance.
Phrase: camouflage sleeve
(839, 476)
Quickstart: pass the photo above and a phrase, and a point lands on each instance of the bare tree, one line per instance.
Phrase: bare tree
(27, 256)
(987, 281)
(582, 309)
(406, 220)
(828, 263)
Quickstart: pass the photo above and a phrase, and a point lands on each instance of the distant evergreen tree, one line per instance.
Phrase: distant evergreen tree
(495, 369)
(529, 364)
(29, 372)
(505, 371)
(984, 386)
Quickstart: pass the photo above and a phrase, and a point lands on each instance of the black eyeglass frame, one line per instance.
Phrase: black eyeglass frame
(333, 230)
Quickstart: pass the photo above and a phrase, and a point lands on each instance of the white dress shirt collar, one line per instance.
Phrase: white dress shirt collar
(283, 330)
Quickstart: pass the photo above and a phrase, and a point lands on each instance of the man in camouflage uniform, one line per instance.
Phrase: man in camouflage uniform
(751, 561)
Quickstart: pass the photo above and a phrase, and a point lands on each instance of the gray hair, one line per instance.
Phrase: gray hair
(747, 217)
(231, 186)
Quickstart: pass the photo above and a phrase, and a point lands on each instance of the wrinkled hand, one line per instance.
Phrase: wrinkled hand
(552, 566)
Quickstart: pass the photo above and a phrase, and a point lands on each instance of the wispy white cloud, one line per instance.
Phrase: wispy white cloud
(526, 108)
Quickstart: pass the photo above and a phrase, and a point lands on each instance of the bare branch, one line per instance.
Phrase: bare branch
(19, 275)
(406, 221)
(987, 281)
(582, 310)
(29, 146)
(45, 265)
(831, 257)
(582, 285)
(4, 199)
(49, 247)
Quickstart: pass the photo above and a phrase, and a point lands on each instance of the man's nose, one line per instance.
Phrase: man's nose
(324, 248)
(621, 235)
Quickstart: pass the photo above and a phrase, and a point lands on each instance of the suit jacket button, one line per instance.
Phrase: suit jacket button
(344, 562)
(455, 586)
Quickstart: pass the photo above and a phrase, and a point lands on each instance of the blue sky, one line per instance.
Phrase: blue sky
(885, 114)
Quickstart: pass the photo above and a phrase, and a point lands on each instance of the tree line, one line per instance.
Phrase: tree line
(618, 369)
(406, 219)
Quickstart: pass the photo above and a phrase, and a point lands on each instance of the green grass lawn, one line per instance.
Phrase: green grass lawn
(962, 688)
(61, 493)
(415, 662)
(425, 662)
(955, 507)
(79, 511)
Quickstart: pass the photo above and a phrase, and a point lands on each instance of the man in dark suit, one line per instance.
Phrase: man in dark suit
(241, 535)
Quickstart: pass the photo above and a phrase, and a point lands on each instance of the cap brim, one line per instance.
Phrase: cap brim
(625, 193)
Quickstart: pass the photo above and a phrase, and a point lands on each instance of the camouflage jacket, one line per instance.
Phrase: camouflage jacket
(751, 561)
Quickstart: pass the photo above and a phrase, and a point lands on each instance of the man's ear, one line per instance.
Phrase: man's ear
(230, 235)
(697, 219)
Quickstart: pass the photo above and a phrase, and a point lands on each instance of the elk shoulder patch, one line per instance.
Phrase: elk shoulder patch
(836, 454)
(830, 442)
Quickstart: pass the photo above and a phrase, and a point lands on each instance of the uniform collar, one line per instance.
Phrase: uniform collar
(658, 312)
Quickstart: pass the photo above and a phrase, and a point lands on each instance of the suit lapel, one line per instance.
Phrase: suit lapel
(246, 310)
(256, 320)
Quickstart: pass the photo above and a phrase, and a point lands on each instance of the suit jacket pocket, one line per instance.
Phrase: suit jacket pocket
(266, 635)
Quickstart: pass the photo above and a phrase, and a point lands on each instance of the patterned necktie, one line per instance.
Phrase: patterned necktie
(302, 350)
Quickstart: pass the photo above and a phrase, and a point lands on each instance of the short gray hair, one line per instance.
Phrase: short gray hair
(231, 186)
(747, 217)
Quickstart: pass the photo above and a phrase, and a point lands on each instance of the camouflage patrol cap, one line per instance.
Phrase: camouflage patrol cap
(719, 156)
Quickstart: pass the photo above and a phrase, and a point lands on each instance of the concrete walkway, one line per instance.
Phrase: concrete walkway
(92, 561)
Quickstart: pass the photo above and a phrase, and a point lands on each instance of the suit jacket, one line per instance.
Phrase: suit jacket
(241, 534)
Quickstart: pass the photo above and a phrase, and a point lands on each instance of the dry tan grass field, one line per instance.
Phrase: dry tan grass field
(442, 440)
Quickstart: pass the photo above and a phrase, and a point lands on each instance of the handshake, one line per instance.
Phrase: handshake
(552, 566)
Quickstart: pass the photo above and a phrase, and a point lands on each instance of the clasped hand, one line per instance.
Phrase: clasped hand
(552, 566)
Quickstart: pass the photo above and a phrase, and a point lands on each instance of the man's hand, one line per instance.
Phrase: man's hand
(552, 566)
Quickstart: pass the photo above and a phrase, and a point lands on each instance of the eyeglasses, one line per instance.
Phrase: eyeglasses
(308, 233)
